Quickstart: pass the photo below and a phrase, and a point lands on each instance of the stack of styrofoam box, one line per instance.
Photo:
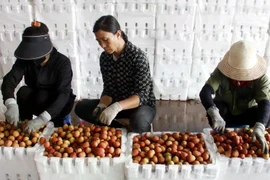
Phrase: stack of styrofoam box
(15, 16)
(60, 17)
(135, 171)
(19, 163)
(251, 22)
(88, 12)
(212, 40)
(137, 20)
(55, 168)
(174, 43)
(237, 168)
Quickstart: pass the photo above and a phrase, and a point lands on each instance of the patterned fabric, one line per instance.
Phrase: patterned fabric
(128, 75)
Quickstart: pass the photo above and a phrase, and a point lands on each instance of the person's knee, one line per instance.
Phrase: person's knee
(141, 121)
(42, 97)
(23, 93)
(140, 126)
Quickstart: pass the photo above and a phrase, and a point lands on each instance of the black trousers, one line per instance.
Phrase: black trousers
(33, 102)
(249, 117)
(140, 118)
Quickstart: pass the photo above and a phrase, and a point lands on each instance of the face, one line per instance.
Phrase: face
(41, 61)
(108, 41)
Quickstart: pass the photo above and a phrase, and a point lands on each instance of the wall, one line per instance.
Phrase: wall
(184, 40)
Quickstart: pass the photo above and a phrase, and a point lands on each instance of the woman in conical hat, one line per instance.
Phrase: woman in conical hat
(241, 89)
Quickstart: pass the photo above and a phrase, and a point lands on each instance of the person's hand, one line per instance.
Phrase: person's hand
(98, 110)
(12, 113)
(258, 133)
(37, 123)
(107, 116)
(217, 121)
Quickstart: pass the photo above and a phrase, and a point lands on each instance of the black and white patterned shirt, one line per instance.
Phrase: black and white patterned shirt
(128, 75)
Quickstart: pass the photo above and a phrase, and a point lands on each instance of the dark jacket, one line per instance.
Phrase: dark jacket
(55, 75)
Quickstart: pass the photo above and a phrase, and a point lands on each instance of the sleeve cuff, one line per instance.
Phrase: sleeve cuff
(45, 116)
(10, 101)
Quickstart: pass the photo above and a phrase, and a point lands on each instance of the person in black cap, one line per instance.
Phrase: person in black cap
(47, 75)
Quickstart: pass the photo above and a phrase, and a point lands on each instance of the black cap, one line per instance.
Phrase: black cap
(34, 47)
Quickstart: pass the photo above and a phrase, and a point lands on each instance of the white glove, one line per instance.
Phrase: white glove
(217, 121)
(12, 113)
(107, 116)
(97, 111)
(258, 133)
(37, 123)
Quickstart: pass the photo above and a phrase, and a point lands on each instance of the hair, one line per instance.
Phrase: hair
(37, 28)
(108, 23)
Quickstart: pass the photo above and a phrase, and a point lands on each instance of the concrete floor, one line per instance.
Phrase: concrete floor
(175, 116)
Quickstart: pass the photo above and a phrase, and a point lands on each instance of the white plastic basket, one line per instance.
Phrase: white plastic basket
(55, 168)
(237, 168)
(19, 163)
(136, 171)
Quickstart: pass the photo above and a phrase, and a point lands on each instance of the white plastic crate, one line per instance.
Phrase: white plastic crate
(81, 168)
(181, 46)
(186, 2)
(134, 171)
(90, 87)
(260, 39)
(254, 3)
(8, 47)
(212, 43)
(214, 18)
(131, 7)
(18, 163)
(55, 1)
(175, 18)
(14, 16)
(14, 2)
(166, 88)
(252, 19)
(137, 20)
(174, 66)
(88, 12)
(201, 69)
(218, 3)
(237, 168)
(65, 13)
(6, 64)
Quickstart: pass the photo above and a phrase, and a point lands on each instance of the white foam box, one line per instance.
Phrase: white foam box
(55, 168)
(237, 168)
(18, 163)
(134, 171)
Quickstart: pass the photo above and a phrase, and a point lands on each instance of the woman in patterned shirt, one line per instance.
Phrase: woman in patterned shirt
(127, 84)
